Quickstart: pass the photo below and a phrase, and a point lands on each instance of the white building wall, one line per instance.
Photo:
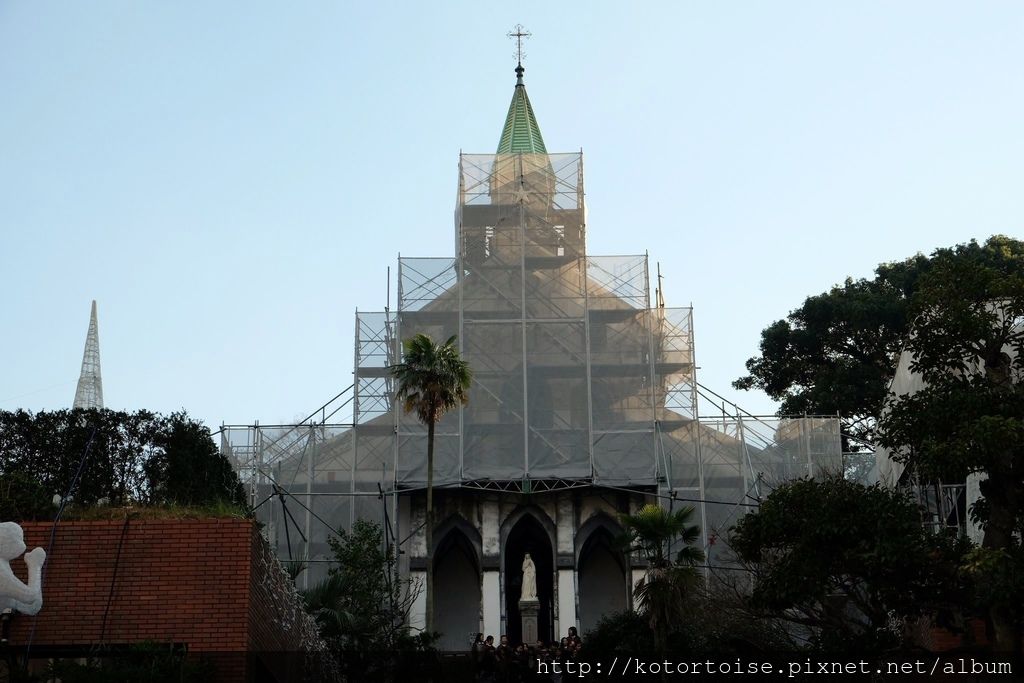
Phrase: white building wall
(492, 603)
(490, 528)
(566, 602)
(565, 542)
(492, 595)
(418, 613)
(974, 530)
(637, 575)
(904, 383)
(566, 526)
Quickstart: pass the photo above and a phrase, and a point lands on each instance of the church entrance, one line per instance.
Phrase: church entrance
(528, 536)
(602, 574)
(456, 592)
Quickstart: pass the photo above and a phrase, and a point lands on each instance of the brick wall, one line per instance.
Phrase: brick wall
(943, 640)
(209, 584)
(278, 625)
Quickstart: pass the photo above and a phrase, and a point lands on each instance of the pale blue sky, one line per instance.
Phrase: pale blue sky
(230, 180)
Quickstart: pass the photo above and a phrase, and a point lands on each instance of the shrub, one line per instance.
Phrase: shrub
(135, 458)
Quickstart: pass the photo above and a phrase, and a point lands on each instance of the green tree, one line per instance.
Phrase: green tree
(662, 592)
(432, 380)
(841, 559)
(837, 352)
(187, 467)
(52, 444)
(967, 344)
(120, 458)
(362, 607)
(22, 497)
(718, 625)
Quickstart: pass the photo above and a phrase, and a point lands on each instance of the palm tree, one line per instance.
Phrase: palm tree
(663, 590)
(432, 379)
(325, 602)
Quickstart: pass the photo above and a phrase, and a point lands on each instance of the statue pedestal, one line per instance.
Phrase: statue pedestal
(528, 610)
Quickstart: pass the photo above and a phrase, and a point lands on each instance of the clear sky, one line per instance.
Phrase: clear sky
(230, 180)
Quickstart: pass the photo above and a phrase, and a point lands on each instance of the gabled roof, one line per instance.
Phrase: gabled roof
(521, 132)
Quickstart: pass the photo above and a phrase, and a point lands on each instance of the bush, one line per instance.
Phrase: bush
(847, 562)
(142, 662)
(716, 627)
(138, 458)
(187, 469)
(624, 633)
(23, 497)
(362, 610)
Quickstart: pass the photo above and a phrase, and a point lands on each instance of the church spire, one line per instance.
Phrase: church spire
(90, 384)
(521, 132)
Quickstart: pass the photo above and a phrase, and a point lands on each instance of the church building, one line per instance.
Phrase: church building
(583, 406)
(572, 369)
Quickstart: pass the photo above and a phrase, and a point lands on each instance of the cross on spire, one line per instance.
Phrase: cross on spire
(519, 33)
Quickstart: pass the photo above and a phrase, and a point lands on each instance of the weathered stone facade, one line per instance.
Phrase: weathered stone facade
(479, 542)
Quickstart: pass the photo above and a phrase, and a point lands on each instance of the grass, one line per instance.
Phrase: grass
(218, 510)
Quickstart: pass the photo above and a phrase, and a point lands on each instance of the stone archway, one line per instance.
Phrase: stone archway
(601, 570)
(456, 585)
(526, 534)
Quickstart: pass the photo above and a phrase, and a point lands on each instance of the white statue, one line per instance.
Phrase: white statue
(13, 593)
(529, 591)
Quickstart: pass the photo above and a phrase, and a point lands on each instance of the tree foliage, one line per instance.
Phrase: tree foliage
(129, 458)
(22, 497)
(186, 468)
(716, 626)
(662, 593)
(147, 661)
(836, 353)
(967, 344)
(653, 531)
(432, 378)
(844, 560)
(960, 314)
(362, 607)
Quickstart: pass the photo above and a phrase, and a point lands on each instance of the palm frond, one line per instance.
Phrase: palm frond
(432, 378)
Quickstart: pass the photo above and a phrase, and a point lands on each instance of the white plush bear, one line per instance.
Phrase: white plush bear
(13, 593)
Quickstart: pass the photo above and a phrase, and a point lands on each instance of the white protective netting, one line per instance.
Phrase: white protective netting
(576, 377)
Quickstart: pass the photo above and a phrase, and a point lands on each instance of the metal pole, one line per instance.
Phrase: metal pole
(522, 315)
(651, 319)
(459, 283)
(310, 477)
(355, 425)
(699, 445)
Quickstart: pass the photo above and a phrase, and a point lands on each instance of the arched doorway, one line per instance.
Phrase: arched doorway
(456, 591)
(603, 586)
(527, 535)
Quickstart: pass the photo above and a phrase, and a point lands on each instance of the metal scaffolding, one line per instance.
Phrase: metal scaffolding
(578, 380)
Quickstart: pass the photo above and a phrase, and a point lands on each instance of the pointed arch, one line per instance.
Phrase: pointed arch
(528, 528)
(457, 579)
(456, 522)
(602, 570)
(537, 513)
(597, 521)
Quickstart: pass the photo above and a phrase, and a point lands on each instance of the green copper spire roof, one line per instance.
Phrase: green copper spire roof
(521, 132)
